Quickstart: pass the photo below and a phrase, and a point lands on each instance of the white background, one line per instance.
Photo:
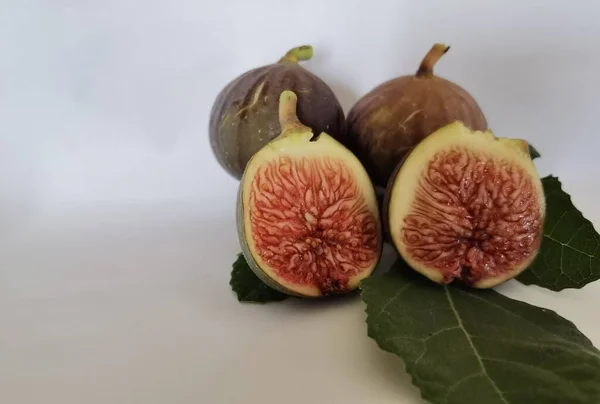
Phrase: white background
(117, 227)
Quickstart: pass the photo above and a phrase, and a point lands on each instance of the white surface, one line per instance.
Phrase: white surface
(117, 226)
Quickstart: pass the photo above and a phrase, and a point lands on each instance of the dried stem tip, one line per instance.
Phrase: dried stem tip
(431, 58)
(304, 52)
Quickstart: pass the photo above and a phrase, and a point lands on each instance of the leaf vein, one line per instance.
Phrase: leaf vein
(558, 343)
(441, 331)
(569, 246)
(574, 234)
(527, 365)
(455, 385)
(509, 312)
(557, 222)
(396, 296)
(468, 336)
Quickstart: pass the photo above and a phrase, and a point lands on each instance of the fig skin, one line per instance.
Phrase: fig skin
(244, 117)
(296, 142)
(396, 115)
(504, 216)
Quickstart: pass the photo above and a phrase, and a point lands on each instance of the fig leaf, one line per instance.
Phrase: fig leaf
(477, 346)
(570, 253)
(533, 152)
(248, 287)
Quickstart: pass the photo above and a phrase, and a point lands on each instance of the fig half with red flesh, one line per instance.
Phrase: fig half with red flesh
(308, 220)
(467, 205)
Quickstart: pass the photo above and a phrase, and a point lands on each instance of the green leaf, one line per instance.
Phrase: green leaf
(533, 152)
(248, 287)
(570, 253)
(478, 346)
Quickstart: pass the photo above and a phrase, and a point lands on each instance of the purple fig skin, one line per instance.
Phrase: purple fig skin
(244, 116)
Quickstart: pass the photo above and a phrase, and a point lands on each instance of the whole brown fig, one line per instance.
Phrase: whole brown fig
(396, 115)
(244, 115)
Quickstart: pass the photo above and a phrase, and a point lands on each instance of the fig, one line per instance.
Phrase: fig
(307, 214)
(466, 205)
(397, 114)
(244, 117)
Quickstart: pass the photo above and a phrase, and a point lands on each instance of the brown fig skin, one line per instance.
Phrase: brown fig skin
(244, 118)
(396, 115)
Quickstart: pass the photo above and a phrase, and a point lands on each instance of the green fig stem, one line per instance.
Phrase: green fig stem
(431, 58)
(304, 52)
(287, 112)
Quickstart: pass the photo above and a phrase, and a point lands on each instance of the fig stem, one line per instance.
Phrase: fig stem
(431, 58)
(288, 119)
(299, 53)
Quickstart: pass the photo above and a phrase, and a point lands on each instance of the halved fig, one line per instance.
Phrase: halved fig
(308, 220)
(466, 205)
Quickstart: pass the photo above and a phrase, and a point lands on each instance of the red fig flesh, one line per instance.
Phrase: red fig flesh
(467, 205)
(307, 212)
